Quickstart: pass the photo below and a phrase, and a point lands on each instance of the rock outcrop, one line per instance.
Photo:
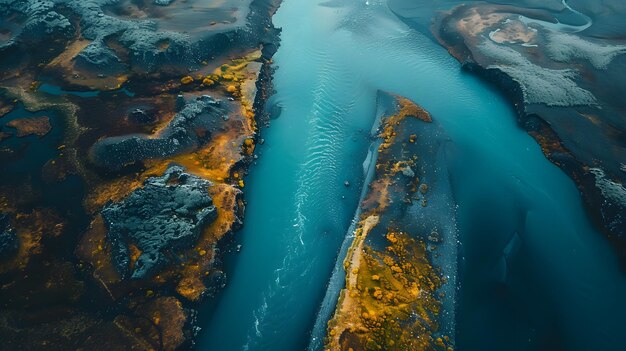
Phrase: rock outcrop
(40, 22)
(157, 220)
(191, 127)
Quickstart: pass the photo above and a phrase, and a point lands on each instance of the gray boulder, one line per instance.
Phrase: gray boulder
(162, 218)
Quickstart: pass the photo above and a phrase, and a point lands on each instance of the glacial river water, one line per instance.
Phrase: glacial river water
(533, 273)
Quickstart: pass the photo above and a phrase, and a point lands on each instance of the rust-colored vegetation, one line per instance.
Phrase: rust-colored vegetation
(390, 301)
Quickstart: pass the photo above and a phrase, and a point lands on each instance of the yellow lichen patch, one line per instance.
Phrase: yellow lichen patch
(114, 190)
(186, 80)
(406, 108)
(238, 78)
(227, 200)
(134, 254)
(214, 161)
(248, 146)
(379, 314)
(191, 286)
(390, 297)
(409, 108)
(400, 166)
(93, 250)
(163, 45)
(31, 229)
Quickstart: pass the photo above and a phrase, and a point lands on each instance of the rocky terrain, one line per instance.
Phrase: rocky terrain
(392, 298)
(165, 215)
(137, 133)
(189, 129)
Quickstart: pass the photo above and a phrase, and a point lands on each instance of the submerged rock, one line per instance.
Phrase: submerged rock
(159, 220)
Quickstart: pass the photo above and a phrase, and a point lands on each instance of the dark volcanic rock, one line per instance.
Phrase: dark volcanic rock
(142, 115)
(8, 239)
(161, 218)
(149, 48)
(190, 128)
(39, 21)
(98, 55)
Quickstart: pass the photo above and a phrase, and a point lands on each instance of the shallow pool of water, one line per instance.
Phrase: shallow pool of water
(29, 153)
(56, 90)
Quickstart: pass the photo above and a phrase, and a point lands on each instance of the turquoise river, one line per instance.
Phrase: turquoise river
(532, 272)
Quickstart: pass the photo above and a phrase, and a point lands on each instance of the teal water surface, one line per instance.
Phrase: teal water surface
(534, 274)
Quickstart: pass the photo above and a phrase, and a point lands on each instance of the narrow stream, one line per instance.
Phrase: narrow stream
(586, 21)
(534, 275)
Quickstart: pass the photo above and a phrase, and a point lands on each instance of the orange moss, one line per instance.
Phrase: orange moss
(391, 286)
(114, 190)
(406, 108)
(186, 80)
(229, 208)
(169, 310)
(94, 251)
(31, 229)
(385, 289)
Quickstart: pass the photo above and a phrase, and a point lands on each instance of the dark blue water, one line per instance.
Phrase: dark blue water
(30, 153)
(56, 90)
(534, 274)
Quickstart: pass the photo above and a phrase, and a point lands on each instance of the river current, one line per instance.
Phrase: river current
(533, 273)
